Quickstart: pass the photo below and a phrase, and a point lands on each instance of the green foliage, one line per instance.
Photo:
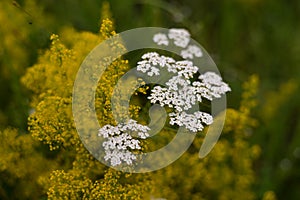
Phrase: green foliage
(280, 139)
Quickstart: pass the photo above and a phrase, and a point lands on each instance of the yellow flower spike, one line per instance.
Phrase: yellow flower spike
(107, 29)
(248, 97)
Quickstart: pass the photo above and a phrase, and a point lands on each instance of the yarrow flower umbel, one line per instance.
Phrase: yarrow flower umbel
(191, 51)
(181, 37)
(119, 141)
(161, 39)
(193, 121)
(180, 94)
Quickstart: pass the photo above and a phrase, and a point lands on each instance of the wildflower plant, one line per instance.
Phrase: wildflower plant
(178, 86)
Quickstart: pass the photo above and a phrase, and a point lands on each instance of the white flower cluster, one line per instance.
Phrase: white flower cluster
(211, 86)
(180, 93)
(119, 142)
(181, 38)
(191, 51)
(192, 121)
(161, 39)
(152, 63)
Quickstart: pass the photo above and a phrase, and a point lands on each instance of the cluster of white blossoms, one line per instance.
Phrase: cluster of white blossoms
(161, 39)
(182, 92)
(119, 141)
(211, 86)
(191, 51)
(152, 63)
(193, 121)
(181, 38)
(179, 94)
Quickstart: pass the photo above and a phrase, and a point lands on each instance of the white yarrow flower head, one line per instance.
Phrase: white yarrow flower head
(191, 51)
(161, 39)
(152, 62)
(119, 142)
(189, 121)
(213, 82)
(193, 122)
(211, 78)
(182, 94)
(181, 37)
(179, 94)
(186, 68)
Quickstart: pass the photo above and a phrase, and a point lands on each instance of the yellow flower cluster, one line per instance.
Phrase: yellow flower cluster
(118, 187)
(238, 120)
(21, 165)
(51, 81)
(107, 29)
(52, 124)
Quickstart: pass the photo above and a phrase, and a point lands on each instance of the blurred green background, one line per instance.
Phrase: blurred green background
(243, 37)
